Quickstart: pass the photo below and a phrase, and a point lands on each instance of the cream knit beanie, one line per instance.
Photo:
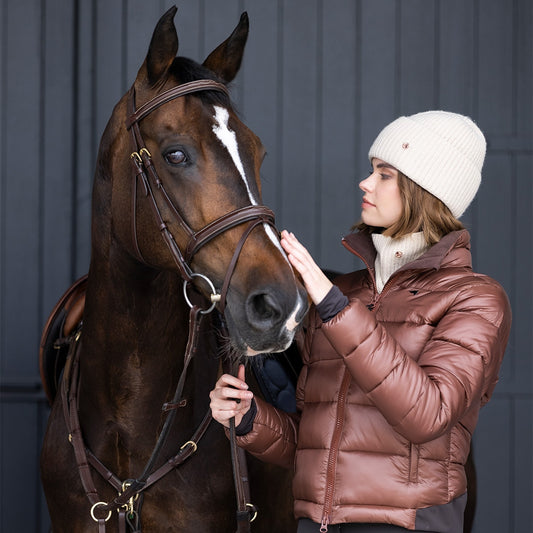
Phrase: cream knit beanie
(442, 152)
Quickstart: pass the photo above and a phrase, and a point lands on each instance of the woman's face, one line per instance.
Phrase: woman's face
(382, 204)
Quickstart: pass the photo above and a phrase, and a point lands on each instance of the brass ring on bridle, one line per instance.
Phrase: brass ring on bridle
(94, 517)
(214, 296)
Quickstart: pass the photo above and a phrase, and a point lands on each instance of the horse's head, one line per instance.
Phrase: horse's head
(199, 163)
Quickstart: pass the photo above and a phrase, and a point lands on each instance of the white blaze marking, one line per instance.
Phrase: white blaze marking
(228, 138)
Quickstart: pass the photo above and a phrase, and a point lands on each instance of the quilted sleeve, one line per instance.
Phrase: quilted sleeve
(457, 368)
(273, 436)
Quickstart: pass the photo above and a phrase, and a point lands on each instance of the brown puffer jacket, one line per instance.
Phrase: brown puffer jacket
(390, 392)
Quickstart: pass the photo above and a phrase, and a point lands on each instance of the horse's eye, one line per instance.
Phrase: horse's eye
(176, 157)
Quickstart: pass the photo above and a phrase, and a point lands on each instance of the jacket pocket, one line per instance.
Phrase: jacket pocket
(414, 455)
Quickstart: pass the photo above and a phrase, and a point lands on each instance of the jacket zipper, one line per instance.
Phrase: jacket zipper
(333, 451)
(339, 421)
(335, 439)
(376, 299)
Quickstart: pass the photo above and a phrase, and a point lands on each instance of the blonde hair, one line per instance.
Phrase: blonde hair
(421, 212)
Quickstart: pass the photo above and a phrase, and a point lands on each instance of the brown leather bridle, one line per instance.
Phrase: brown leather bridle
(145, 171)
(254, 215)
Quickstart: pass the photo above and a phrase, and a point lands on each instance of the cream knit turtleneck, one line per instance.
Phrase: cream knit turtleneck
(393, 254)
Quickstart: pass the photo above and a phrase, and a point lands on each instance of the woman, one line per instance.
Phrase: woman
(399, 357)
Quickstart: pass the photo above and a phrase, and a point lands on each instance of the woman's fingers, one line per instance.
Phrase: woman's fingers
(316, 282)
(298, 252)
(230, 398)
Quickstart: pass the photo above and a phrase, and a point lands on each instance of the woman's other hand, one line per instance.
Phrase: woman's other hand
(316, 282)
(230, 398)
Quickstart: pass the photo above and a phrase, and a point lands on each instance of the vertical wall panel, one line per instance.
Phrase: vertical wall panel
(108, 68)
(261, 86)
(522, 269)
(494, 466)
(418, 59)
(521, 493)
(57, 161)
(456, 56)
(140, 20)
(496, 56)
(220, 18)
(3, 176)
(523, 65)
(298, 129)
(189, 23)
(339, 204)
(496, 262)
(21, 204)
(19, 461)
(86, 136)
(493, 249)
(378, 83)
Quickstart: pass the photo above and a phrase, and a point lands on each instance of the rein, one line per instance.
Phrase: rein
(129, 499)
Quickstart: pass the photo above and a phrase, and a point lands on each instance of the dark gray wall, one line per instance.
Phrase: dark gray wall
(319, 80)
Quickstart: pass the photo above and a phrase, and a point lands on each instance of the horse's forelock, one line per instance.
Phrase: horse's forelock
(185, 70)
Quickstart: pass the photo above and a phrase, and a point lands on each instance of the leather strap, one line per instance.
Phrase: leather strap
(172, 94)
(259, 213)
(245, 508)
(85, 459)
(233, 263)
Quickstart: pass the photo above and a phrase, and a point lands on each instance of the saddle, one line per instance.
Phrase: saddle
(62, 326)
(276, 376)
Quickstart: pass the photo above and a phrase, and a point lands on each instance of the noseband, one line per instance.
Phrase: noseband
(145, 171)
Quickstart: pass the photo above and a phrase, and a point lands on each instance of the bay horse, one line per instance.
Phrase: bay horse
(178, 229)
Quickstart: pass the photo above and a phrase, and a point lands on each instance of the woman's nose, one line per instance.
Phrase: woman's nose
(366, 184)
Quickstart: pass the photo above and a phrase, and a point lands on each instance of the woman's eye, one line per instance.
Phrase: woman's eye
(177, 157)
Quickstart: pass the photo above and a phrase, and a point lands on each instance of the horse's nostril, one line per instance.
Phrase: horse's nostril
(263, 310)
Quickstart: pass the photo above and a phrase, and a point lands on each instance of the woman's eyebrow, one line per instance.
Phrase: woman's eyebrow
(385, 165)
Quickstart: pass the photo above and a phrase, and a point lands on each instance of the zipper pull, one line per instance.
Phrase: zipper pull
(324, 524)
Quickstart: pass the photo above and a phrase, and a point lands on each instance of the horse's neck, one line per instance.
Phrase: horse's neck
(134, 334)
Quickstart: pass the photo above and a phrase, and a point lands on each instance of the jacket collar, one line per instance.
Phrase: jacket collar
(452, 250)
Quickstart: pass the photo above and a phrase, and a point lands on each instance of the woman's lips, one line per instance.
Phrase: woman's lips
(366, 203)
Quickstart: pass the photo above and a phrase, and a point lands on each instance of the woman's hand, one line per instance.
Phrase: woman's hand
(316, 282)
(230, 398)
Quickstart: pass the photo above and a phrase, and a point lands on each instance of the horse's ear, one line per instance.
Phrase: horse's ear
(163, 47)
(225, 60)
